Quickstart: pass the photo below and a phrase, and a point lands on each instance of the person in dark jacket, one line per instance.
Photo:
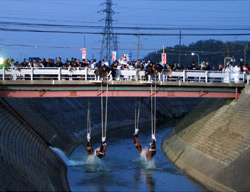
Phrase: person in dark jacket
(149, 70)
(103, 70)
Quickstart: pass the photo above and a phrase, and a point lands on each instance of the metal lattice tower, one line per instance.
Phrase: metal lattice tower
(108, 41)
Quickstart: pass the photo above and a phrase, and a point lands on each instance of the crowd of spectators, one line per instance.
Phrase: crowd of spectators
(102, 68)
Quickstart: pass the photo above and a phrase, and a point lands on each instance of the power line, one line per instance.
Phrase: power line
(124, 33)
(123, 27)
(171, 50)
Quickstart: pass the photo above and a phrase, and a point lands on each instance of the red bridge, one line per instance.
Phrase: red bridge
(54, 88)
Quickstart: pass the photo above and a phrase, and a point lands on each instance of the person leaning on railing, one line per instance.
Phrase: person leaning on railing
(149, 71)
(245, 69)
(103, 70)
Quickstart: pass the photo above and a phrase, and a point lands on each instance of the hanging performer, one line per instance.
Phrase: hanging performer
(89, 145)
(136, 141)
(89, 149)
(100, 151)
(137, 117)
(152, 147)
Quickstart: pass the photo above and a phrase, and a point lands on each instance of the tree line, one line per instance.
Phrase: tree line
(213, 51)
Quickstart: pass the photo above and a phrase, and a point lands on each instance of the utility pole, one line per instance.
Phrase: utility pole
(245, 51)
(116, 45)
(131, 55)
(108, 36)
(180, 49)
(138, 46)
(84, 42)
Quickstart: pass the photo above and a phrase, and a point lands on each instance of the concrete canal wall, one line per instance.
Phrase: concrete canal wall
(211, 144)
(29, 126)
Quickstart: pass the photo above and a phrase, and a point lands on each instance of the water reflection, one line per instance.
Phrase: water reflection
(123, 169)
(146, 176)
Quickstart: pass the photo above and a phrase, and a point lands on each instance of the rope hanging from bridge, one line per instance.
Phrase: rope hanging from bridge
(137, 114)
(153, 110)
(104, 124)
(88, 119)
(89, 142)
(152, 147)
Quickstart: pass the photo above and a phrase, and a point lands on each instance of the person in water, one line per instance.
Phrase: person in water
(89, 145)
(152, 148)
(100, 151)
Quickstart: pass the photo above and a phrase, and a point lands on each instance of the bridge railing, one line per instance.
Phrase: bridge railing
(52, 73)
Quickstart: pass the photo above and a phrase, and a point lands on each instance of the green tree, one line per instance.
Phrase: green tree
(213, 51)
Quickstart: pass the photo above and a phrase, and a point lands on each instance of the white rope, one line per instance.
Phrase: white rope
(137, 114)
(106, 111)
(88, 119)
(138, 117)
(102, 109)
(152, 115)
(153, 110)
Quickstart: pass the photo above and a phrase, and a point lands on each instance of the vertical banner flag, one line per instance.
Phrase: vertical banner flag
(164, 58)
(114, 56)
(83, 53)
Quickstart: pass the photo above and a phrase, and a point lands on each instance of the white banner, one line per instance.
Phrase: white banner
(83, 53)
(164, 58)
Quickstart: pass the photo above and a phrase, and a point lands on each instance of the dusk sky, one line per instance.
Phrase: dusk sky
(187, 16)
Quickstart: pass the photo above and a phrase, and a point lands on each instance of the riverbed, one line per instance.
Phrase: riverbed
(124, 169)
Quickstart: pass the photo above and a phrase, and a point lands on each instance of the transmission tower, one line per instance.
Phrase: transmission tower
(108, 41)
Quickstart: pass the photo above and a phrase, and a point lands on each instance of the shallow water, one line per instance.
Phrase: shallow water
(123, 169)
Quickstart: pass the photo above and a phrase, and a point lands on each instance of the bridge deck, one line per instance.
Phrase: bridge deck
(53, 88)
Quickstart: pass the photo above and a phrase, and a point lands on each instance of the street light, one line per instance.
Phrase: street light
(1, 61)
(198, 57)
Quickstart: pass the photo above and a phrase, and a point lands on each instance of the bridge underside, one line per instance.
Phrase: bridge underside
(125, 89)
(33, 94)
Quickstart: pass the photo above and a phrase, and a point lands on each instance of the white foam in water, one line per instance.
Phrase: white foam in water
(91, 159)
(65, 159)
(76, 163)
(61, 154)
(149, 163)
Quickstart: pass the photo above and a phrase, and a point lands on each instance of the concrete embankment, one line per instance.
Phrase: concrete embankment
(211, 144)
(29, 126)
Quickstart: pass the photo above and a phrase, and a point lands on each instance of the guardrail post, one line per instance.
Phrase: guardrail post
(86, 74)
(206, 76)
(184, 76)
(229, 77)
(3, 74)
(32, 74)
(59, 73)
(136, 75)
